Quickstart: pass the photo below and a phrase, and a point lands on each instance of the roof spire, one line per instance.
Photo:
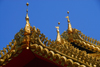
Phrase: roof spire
(27, 27)
(69, 24)
(58, 39)
(27, 18)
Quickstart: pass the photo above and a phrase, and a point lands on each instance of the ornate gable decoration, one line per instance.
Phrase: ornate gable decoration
(61, 51)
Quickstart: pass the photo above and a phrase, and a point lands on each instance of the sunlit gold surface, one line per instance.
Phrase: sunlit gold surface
(27, 27)
(67, 54)
(95, 55)
(58, 35)
(69, 25)
(69, 28)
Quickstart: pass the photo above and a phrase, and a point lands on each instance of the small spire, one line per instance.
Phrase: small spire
(27, 27)
(69, 24)
(27, 18)
(58, 39)
(68, 17)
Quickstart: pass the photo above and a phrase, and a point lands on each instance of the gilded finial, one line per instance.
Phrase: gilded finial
(58, 39)
(27, 7)
(68, 17)
(27, 27)
(69, 25)
(27, 18)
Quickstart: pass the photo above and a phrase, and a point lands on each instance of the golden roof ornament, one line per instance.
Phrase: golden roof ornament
(69, 25)
(67, 12)
(27, 27)
(58, 39)
(27, 18)
(27, 3)
(58, 23)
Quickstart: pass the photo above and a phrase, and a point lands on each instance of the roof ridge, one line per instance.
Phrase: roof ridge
(37, 38)
(54, 46)
(91, 40)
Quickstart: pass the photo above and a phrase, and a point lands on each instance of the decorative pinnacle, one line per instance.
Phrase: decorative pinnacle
(69, 25)
(58, 34)
(57, 26)
(68, 17)
(27, 27)
(27, 18)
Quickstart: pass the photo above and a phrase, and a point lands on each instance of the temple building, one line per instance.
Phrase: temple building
(30, 48)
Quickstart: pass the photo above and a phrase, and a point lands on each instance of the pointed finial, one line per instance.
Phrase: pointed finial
(58, 39)
(68, 17)
(27, 18)
(58, 27)
(27, 27)
(69, 25)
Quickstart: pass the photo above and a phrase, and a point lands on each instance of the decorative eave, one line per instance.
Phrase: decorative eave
(63, 54)
(77, 37)
(48, 49)
(81, 40)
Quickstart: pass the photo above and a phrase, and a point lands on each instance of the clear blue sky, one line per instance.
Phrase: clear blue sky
(45, 15)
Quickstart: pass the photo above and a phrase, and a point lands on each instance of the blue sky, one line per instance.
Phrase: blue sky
(45, 15)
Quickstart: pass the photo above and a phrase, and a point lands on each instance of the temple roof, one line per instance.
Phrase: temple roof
(75, 48)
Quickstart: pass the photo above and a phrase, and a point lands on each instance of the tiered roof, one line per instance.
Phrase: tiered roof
(72, 48)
